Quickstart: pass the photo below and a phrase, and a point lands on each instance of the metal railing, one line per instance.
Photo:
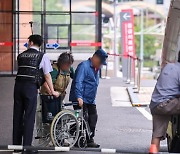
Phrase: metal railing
(133, 69)
(133, 74)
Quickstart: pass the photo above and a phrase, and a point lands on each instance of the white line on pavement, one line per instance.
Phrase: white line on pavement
(119, 97)
(108, 150)
(144, 112)
(163, 145)
(6, 150)
(15, 147)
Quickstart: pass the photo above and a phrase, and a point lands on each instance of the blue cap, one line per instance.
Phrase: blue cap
(102, 55)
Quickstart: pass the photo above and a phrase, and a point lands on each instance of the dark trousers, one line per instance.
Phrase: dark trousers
(90, 115)
(25, 102)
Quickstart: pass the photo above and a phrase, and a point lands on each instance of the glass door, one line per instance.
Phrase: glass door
(57, 36)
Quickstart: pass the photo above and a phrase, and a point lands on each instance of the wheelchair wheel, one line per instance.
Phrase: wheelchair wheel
(82, 142)
(41, 135)
(64, 129)
(169, 143)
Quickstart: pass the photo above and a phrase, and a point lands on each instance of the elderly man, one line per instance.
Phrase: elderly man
(84, 89)
(165, 102)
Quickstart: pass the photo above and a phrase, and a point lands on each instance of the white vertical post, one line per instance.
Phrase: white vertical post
(142, 38)
(116, 58)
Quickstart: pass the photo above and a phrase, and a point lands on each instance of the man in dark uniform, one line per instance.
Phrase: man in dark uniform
(30, 63)
(84, 89)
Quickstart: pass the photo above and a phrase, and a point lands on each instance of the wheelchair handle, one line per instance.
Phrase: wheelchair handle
(70, 104)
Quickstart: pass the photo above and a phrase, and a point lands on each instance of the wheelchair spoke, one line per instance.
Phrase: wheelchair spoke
(65, 129)
(41, 135)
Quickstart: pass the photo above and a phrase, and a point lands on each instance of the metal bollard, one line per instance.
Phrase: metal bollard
(106, 70)
(128, 71)
(134, 73)
(139, 75)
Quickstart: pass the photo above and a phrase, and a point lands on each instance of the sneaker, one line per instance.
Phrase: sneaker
(92, 144)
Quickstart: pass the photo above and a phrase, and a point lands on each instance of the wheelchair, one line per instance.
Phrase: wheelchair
(173, 134)
(63, 127)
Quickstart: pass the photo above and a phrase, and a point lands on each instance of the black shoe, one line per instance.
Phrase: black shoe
(92, 144)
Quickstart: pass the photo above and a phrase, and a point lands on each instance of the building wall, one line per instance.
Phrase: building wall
(165, 5)
(24, 19)
(6, 35)
(18, 31)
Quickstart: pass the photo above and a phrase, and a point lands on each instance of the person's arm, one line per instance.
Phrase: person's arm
(47, 88)
(50, 85)
(54, 75)
(47, 68)
(80, 75)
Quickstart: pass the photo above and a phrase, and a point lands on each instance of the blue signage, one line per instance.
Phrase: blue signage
(26, 44)
(54, 46)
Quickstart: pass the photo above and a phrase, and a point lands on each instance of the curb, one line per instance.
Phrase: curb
(65, 149)
(134, 98)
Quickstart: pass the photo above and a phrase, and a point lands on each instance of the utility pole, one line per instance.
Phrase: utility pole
(116, 58)
(99, 25)
(99, 22)
(142, 38)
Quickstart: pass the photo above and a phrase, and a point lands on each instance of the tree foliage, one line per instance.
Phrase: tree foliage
(151, 43)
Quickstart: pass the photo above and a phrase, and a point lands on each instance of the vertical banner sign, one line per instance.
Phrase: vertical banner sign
(127, 41)
(127, 32)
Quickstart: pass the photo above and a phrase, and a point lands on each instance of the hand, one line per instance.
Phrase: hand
(56, 94)
(80, 102)
(49, 92)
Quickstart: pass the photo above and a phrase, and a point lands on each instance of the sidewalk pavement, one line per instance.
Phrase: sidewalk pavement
(120, 126)
(6, 109)
(145, 94)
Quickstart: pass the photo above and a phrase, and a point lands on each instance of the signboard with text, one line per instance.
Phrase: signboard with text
(127, 44)
(127, 33)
